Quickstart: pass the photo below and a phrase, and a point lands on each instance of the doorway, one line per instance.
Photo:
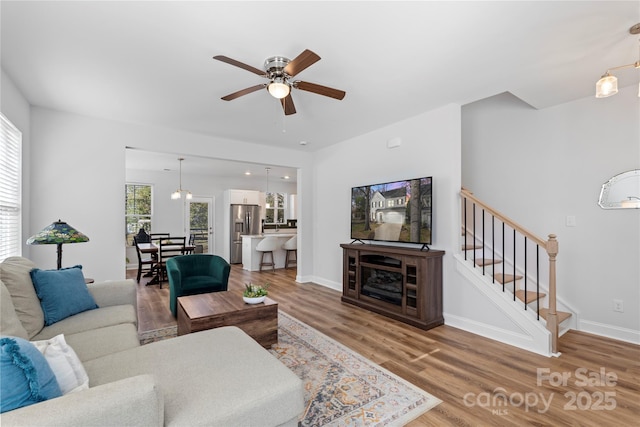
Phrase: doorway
(199, 220)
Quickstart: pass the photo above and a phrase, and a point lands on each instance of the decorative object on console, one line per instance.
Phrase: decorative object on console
(57, 233)
(178, 193)
(608, 84)
(280, 70)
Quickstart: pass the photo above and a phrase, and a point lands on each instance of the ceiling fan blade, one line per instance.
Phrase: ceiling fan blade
(287, 105)
(320, 90)
(243, 92)
(240, 65)
(301, 62)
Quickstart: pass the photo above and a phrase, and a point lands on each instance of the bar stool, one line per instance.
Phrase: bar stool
(267, 246)
(291, 246)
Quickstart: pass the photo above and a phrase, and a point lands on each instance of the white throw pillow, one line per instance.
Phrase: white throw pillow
(64, 363)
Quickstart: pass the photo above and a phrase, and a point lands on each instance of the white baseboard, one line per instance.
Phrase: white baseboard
(609, 331)
(505, 336)
(336, 286)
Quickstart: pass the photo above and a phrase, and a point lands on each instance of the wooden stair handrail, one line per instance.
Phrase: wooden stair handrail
(550, 246)
(506, 220)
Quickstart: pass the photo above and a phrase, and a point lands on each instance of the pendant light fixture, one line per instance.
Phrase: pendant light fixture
(178, 193)
(266, 193)
(608, 83)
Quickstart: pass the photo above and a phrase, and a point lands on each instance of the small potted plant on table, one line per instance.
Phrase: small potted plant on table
(254, 294)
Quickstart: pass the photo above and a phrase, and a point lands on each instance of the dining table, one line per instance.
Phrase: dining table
(152, 248)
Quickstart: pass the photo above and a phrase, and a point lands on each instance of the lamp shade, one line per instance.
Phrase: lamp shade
(278, 89)
(606, 86)
(57, 233)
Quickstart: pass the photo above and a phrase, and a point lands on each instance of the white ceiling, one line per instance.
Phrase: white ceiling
(151, 61)
(156, 162)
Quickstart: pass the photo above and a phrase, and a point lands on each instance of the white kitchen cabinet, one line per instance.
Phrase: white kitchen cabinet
(244, 197)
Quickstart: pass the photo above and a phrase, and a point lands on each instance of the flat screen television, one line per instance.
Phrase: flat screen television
(398, 211)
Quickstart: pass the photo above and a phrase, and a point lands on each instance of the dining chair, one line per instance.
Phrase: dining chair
(156, 237)
(145, 263)
(168, 248)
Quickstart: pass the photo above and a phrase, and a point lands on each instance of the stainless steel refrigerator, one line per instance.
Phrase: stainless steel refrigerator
(245, 220)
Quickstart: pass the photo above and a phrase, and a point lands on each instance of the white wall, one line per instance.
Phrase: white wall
(430, 147)
(540, 166)
(16, 108)
(78, 175)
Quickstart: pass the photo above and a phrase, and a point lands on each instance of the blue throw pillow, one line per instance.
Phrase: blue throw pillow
(62, 293)
(26, 377)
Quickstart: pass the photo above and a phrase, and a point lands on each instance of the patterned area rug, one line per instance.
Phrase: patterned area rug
(147, 337)
(342, 388)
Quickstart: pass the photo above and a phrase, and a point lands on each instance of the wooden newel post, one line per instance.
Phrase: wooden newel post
(552, 317)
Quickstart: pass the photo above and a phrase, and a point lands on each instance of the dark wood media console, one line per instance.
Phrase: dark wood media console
(402, 283)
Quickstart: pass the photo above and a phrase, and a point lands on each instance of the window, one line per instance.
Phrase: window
(137, 209)
(275, 208)
(10, 189)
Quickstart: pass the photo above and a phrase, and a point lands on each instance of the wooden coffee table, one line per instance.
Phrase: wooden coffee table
(215, 309)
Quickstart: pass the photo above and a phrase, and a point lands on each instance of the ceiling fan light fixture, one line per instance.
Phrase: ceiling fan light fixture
(606, 86)
(278, 88)
(279, 71)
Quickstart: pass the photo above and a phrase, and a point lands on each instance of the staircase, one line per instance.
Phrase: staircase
(516, 269)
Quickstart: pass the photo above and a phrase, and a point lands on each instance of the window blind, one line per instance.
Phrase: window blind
(10, 189)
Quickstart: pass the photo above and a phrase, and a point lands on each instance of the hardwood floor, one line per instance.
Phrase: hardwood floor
(481, 382)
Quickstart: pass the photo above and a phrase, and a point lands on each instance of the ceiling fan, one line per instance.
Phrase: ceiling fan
(280, 72)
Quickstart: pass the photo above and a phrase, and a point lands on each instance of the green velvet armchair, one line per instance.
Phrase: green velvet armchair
(195, 274)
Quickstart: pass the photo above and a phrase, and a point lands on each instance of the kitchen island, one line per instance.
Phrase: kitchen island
(251, 257)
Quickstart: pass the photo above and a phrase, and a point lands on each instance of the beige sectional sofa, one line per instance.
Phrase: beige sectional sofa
(216, 377)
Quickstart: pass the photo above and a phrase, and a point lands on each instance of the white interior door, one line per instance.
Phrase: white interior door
(199, 220)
